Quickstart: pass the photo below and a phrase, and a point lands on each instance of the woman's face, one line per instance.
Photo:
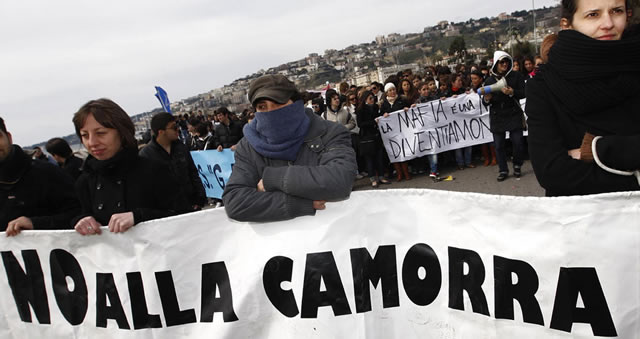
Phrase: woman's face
(101, 142)
(599, 19)
(432, 86)
(476, 81)
(424, 90)
(406, 86)
(457, 83)
(516, 66)
(370, 100)
(528, 66)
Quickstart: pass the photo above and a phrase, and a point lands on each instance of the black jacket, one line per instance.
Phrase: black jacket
(127, 183)
(228, 136)
(182, 167)
(35, 189)
(366, 118)
(73, 166)
(506, 113)
(399, 104)
(552, 132)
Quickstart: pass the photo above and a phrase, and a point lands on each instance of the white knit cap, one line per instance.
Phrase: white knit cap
(389, 86)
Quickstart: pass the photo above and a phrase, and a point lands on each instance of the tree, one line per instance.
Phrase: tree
(522, 49)
(457, 46)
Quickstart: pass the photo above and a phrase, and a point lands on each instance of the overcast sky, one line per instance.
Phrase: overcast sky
(56, 55)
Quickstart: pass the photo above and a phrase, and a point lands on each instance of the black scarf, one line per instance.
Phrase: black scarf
(590, 76)
(116, 165)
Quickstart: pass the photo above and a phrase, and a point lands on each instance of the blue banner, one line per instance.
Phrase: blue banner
(215, 169)
(164, 99)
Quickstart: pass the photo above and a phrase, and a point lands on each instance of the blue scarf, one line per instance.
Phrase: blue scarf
(278, 134)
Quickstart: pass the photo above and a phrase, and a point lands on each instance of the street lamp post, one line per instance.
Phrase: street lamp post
(535, 36)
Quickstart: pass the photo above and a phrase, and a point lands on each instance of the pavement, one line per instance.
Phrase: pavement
(480, 179)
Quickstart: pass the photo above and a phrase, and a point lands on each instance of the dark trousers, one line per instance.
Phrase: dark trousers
(516, 141)
(375, 163)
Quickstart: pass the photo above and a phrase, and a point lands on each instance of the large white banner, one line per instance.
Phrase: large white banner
(412, 264)
(435, 127)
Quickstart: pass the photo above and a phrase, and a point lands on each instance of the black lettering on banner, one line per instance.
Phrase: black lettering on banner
(403, 119)
(421, 114)
(438, 111)
(203, 176)
(322, 267)
(453, 109)
(72, 303)
(523, 291)
(406, 142)
(27, 286)
(420, 142)
(484, 124)
(215, 276)
(395, 148)
(169, 300)
(386, 128)
(464, 107)
(435, 139)
(139, 311)
(216, 171)
(421, 291)
(477, 132)
(106, 288)
(277, 270)
(461, 133)
(416, 117)
(581, 281)
(472, 282)
(452, 133)
(381, 268)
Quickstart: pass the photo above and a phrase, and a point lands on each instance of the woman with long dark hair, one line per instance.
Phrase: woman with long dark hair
(408, 91)
(584, 126)
(117, 187)
(371, 148)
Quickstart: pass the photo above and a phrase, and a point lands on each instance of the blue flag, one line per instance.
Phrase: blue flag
(163, 98)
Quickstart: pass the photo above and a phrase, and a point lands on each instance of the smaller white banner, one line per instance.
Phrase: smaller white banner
(435, 127)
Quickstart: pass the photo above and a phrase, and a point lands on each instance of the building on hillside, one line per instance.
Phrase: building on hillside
(385, 72)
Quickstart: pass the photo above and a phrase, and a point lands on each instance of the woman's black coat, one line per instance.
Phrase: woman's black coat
(127, 183)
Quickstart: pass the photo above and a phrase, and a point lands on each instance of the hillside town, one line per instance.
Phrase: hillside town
(445, 44)
(364, 63)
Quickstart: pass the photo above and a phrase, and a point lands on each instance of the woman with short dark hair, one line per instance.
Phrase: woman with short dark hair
(584, 126)
(117, 187)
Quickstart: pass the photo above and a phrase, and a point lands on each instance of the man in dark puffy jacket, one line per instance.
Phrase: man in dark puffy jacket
(33, 194)
(166, 148)
(290, 162)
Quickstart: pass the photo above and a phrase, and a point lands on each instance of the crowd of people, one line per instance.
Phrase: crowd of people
(294, 151)
(358, 108)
